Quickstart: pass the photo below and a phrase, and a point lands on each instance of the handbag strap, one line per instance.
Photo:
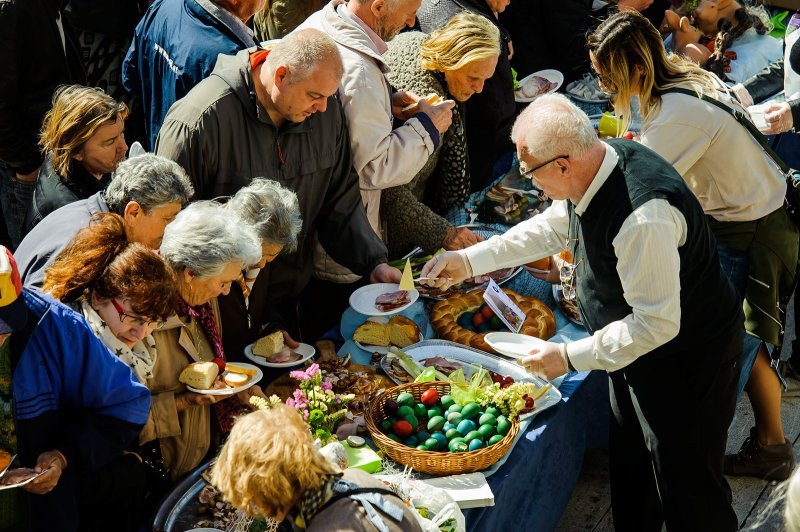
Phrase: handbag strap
(744, 121)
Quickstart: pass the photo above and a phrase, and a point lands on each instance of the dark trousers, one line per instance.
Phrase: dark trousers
(669, 428)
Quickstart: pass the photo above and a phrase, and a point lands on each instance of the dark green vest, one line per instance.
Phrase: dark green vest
(709, 306)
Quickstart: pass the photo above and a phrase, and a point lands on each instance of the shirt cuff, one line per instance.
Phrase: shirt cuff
(427, 123)
(481, 258)
(581, 354)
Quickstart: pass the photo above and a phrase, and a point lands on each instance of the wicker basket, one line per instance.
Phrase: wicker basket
(432, 462)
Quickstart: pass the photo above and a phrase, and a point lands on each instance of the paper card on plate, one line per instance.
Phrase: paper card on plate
(469, 491)
(407, 282)
(505, 309)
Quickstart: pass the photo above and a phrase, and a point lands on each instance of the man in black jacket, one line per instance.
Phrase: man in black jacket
(37, 54)
(274, 114)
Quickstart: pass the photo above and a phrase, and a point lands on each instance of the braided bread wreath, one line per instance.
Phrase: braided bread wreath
(539, 319)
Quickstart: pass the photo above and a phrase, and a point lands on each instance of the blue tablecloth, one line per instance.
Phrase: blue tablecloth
(535, 484)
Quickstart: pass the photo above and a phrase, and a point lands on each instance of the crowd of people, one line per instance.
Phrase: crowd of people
(290, 149)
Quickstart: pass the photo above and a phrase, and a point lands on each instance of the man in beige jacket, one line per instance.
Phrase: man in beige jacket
(384, 154)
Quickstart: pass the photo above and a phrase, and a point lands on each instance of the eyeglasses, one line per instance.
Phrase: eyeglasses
(567, 272)
(138, 320)
(529, 173)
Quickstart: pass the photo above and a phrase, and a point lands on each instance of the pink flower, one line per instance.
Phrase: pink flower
(326, 386)
(312, 370)
(305, 415)
(299, 375)
(290, 402)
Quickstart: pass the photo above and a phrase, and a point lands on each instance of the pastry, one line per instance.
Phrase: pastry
(372, 333)
(541, 264)
(268, 345)
(199, 375)
(402, 331)
(5, 459)
(399, 331)
(539, 319)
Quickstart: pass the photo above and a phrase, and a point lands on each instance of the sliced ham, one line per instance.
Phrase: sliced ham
(392, 300)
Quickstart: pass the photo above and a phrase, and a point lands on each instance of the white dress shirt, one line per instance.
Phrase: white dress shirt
(648, 266)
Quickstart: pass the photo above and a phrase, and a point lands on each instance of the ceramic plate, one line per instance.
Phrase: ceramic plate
(553, 76)
(305, 350)
(363, 299)
(468, 355)
(485, 233)
(228, 391)
(25, 474)
(512, 344)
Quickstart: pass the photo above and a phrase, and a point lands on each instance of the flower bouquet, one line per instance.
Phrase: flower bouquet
(317, 403)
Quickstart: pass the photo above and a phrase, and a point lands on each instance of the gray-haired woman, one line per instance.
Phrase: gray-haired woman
(208, 248)
(274, 214)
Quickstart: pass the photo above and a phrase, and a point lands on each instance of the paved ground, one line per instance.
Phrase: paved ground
(757, 503)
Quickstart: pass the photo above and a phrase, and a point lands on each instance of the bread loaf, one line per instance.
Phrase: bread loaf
(539, 319)
(372, 333)
(402, 331)
(269, 345)
(199, 375)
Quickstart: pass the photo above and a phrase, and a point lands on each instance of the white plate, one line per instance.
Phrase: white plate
(553, 76)
(378, 348)
(303, 349)
(469, 355)
(363, 299)
(512, 344)
(228, 391)
(26, 481)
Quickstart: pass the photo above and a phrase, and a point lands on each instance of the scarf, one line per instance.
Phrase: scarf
(246, 281)
(140, 358)
(313, 499)
(227, 410)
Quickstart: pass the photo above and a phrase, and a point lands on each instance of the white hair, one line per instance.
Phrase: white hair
(551, 126)
(205, 237)
(302, 51)
(271, 209)
(149, 180)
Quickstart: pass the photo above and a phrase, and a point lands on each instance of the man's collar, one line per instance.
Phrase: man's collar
(606, 167)
(227, 18)
(380, 44)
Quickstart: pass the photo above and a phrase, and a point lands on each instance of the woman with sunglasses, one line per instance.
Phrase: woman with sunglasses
(688, 122)
(123, 289)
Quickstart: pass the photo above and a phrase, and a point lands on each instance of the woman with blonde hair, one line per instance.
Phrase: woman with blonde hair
(452, 62)
(270, 468)
(688, 121)
(83, 139)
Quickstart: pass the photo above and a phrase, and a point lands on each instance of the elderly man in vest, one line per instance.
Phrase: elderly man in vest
(664, 321)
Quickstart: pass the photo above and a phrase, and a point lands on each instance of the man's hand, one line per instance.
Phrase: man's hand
(440, 114)
(28, 178)
(779, 118)
(741, 93)
(459, 238)
(547, 362)
(553, 276)
(53, 461)
(401, 100)
(634, 5)
(383, 273)
(446, 269)
(189, 399)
